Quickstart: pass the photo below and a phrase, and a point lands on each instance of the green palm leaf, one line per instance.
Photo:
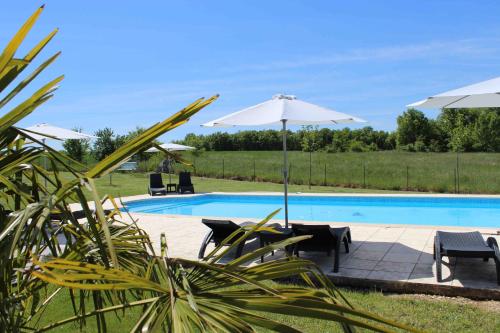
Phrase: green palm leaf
(13, 45)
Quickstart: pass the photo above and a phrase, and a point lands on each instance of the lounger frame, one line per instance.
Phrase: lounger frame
(325, 238)
(464, 245)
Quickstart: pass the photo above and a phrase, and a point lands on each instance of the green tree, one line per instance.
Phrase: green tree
(76, 149)
(340, 141)
(413, 126)
(193, 140)
(458, 128)
(105, 143)
(487, 131)
(122, 139)
(310, 138)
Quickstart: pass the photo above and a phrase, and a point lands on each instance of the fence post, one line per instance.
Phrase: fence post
(254, 169)
(455, 179)
(407, 178)
(458, 176)
(364, 175)
(324, 181)
(222, 168)
(110, 179)
(289, 172)
(310, 168)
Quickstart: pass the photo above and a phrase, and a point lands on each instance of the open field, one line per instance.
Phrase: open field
(425, 313)
(388, 170)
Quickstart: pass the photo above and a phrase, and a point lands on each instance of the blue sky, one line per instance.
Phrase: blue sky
(133, 63)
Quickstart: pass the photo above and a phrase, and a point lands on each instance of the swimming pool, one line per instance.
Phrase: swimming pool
(439, 211)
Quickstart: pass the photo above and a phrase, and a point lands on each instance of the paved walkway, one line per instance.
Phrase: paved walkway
(378, 253)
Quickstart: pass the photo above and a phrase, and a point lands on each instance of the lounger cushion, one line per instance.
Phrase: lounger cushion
(466, 242)
(157, 189)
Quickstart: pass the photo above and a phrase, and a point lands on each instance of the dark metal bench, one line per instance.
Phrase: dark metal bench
(465, 245)
(222, 229)
(324, 238)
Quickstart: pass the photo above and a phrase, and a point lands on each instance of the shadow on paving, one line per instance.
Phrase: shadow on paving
(395, 261)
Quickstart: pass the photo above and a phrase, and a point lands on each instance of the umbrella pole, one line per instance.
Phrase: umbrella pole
(170, 170)
(285, 173)
(44, 162)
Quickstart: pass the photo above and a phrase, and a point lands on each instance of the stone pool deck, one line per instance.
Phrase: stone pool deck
(386, 257)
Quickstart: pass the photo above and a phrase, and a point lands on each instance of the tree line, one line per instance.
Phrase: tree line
(468, 130)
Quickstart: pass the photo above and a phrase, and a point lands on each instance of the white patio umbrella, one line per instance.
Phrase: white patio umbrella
(53, 132)
(170, 147)
(284, 110)
(484, 94)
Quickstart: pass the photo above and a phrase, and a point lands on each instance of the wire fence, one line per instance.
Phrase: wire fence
(469, 173)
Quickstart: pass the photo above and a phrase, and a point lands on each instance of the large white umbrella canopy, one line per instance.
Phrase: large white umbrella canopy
(479, 95)
(170, 147)
(42, 132)
(54, 132)
(284, 110)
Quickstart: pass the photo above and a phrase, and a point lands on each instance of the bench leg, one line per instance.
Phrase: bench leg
(437, 257)
(204, 244)
(492, 242)
(336, 262)
(296, 250)
(336, 257)
(497, 264)
(346, 244)
(239, 250)
(439, 274)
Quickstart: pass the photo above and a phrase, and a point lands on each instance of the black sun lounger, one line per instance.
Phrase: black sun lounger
(156, 184)
(465, 245)
(324, 238)
(185, 184)
(221, 229)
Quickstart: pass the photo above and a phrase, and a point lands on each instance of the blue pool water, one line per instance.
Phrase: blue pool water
(471, 212)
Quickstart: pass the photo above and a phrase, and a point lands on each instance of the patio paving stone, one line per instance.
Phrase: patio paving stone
(358, 264)
(390, 266)
(368, 255)
(391, 276)
(351, 272)
(410, 257)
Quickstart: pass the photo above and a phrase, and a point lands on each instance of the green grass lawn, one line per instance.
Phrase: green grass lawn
(389, 170)
(441, 315)
(125, 184)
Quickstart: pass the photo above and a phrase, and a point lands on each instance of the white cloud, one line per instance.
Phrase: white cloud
(433, 49)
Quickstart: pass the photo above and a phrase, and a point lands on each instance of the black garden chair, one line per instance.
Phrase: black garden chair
(324, 238)
(156, 184)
